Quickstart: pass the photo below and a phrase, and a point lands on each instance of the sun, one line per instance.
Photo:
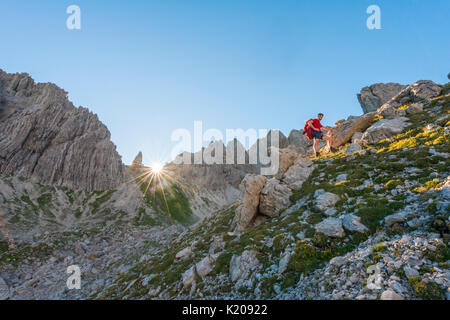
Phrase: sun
(157, 167)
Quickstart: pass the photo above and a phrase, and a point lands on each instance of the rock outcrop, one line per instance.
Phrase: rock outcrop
(274, 198)
(298, 173)
(45, 138)
(373, 97)
(384, 128)
(346, 129)
(251, 187)
(416, 92)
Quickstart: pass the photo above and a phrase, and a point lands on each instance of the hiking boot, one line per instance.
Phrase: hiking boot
(333, 149)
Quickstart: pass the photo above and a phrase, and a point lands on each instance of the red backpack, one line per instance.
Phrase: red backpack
(307, 130)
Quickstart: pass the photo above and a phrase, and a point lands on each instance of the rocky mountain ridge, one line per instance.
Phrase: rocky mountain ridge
(45, 138)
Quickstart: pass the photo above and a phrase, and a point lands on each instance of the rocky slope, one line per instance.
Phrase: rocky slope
(370, 221)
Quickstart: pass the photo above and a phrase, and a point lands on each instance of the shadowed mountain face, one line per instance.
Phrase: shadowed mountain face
(45, 138)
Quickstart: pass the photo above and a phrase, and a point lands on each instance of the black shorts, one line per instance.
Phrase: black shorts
(317, 135)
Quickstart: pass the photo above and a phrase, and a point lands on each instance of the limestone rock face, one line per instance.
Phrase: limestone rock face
(251, 187)
(45, 138)
(373, 97)
(274, 198)
(416, 92)
(344, 131)
(384, 128)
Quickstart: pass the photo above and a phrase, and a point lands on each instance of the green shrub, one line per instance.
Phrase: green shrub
(426, 290)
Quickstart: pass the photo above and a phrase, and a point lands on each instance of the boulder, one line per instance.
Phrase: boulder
(298, 173)
(415, 108)
(383, 129)
(251, 187)
(324, 200)
(373, 97)
(183, 254)
(343, 133)
(205, 266)
(331, 227)
(241, 267)
(274, 198)
(416, 92)
(189, 276)
(356, 138)
(353, 223)
(284, 261)
(287, 158)
(394, 218)
(341, 177)
(297, 138)
(391, 295)
(353, 148)
(410, 272)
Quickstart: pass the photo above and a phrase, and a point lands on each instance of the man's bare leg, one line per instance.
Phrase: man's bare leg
(315, 146)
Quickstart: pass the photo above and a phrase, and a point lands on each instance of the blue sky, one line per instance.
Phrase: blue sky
(149, 67)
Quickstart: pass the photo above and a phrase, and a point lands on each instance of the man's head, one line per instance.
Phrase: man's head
(320, 116)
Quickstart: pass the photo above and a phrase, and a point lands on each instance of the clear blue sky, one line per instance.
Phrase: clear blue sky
(149, 67)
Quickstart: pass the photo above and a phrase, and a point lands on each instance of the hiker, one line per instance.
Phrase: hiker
(313, 130)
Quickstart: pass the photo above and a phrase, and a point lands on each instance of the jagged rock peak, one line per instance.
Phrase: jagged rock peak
(43, 136)
(137, 162)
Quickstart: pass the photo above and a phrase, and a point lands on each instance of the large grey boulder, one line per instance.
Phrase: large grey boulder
(298, 173)
(189, 277)
(353, 223)
(247, 211)
(286, 156)
(383, 129)
(331, 227)
(206, 265)
(274, 198)
(45, 138)
(373, 97)
(324, 200)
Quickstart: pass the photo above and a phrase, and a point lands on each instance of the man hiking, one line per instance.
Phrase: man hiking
(313, 130)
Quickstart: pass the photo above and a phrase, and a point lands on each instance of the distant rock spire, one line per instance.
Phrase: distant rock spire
(137, 162)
